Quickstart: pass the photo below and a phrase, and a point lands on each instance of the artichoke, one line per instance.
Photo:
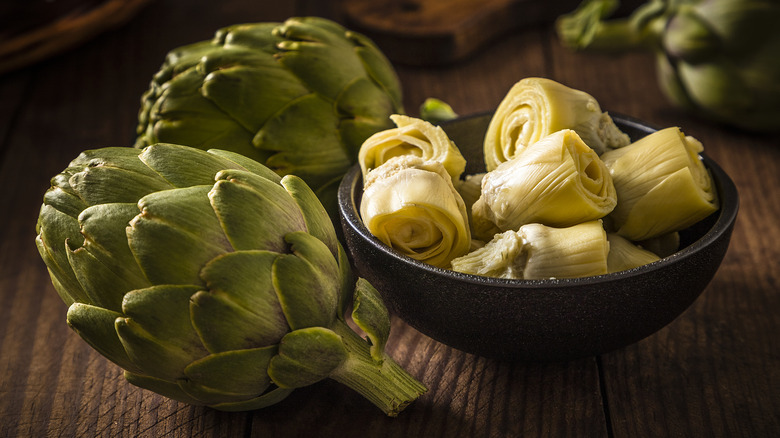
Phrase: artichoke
(299, 96)
(536, 251)
(411, 205)
(716, 58)
(415, 137)
(558, 181)
(212, 280)
(662, 185)
(537, 107)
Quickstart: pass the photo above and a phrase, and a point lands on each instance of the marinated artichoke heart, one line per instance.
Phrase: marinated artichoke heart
(412, 206)
(537, 107)
(558, 181)
(536, 251)
(662, 185)
(625, 255)
(411, 137)
(212, 280)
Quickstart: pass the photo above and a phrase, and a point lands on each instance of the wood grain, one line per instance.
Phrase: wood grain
(714, 372)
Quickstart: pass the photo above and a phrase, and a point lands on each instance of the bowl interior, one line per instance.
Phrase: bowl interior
(557, 319)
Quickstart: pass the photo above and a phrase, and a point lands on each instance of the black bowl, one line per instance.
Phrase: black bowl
(539, 320)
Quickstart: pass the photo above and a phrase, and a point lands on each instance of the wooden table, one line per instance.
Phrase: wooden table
(714, 371)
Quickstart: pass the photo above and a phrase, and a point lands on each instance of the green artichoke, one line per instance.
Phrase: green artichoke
(299, 96)
(717, 58)
(211, 279)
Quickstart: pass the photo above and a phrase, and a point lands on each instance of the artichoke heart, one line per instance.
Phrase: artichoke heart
(536, 251)
(411, 137)
(537, 107)
(558, 181)
(412, 206)
(662, 185)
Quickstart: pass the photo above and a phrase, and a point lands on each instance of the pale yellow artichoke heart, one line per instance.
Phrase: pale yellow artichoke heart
(412, 206)
(537, 107)
(558, 181)
(662, 185)
(415, 137)
(536, 251)
(624, 254)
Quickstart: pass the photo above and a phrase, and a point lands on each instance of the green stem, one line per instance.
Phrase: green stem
(385, 383)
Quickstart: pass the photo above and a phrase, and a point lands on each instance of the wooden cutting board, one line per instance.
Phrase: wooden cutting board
(434, 32)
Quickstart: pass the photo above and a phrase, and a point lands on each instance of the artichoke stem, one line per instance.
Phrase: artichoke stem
(385, 383)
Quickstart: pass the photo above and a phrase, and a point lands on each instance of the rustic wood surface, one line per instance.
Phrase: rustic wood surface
(713, 372)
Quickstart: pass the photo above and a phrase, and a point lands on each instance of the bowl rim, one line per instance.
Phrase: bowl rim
(726, 216)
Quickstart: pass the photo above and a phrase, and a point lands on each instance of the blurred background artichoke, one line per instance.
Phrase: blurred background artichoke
(719, 59)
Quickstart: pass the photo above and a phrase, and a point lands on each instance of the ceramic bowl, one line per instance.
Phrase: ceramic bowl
(539, 320)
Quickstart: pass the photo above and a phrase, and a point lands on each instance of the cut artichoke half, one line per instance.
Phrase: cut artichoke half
(536, 251)
(411, 137)
(662, 185)
(558, 181)
(536, 107)
(412, 206)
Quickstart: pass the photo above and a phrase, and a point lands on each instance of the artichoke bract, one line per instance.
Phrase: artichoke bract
(537, 107)
(715, 58)
(212, 280)
(299, 96)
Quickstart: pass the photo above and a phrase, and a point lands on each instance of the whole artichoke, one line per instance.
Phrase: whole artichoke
(212, 280)
(717, 58)
(299, 97)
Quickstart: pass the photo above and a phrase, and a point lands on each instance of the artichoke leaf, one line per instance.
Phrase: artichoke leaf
(103, 183)
(239, 309)
(104, 265)
(64, 199)
(170, 388)
(314, 214)
(308, 49)
(307, 282)
(235, 375)
(96, 326)
(364, 108)
(251, 94)
(238, 196)
(201, 165)
(312, 117)
(243, 162)
(269, 398)
(253, 35)
(57, 234)
(175, 234)
(307, 356)
(161, 358)
(370, 314)
(379, 69)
